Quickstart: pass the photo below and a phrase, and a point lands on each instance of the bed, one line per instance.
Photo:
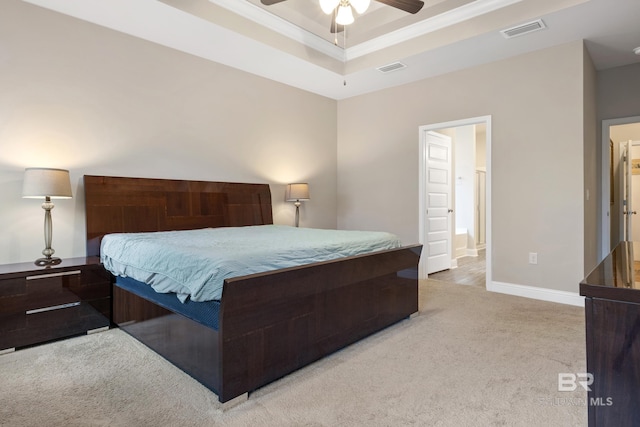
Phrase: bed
(266, 324)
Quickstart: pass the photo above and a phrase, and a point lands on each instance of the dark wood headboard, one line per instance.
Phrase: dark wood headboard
(116, 205)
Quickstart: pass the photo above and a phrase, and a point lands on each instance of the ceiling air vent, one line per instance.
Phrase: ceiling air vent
(520, 30)
(391, 67)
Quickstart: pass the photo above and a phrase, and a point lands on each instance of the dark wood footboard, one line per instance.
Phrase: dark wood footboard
(274, 323)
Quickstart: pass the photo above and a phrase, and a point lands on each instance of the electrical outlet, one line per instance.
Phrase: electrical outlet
(533, 257)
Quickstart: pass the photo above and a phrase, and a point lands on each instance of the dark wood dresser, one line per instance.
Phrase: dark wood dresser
(40, 304)
(612, 310)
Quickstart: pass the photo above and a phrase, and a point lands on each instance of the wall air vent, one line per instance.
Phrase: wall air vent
(391, 67)
(520, 30)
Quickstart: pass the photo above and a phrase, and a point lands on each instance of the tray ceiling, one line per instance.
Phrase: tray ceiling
(290, 41)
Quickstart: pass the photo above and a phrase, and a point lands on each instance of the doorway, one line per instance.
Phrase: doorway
(470, 181)
(615, 133)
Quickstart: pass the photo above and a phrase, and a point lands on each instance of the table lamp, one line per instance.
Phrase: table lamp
(48, 184)
(296, 193)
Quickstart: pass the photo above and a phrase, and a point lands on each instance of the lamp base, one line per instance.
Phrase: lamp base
(42, 262)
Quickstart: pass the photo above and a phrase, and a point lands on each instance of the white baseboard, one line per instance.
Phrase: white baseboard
(544, 294)
(471, 252)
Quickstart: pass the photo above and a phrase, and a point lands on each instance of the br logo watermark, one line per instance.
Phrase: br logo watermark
(570, 381)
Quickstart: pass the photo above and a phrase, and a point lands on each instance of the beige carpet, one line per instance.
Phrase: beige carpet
(471, 358)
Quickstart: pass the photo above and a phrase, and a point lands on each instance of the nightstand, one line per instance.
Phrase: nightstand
(40, 304)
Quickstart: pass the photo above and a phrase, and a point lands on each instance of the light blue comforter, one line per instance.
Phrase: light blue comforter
(194, 263)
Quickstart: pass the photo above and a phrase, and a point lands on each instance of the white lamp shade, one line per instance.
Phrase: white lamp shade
(328, 6)
(45, 182)
(297, 192)
(344, 16)
(360, 6)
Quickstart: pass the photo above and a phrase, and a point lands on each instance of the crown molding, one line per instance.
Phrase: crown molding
(429, 25)
(300, 35)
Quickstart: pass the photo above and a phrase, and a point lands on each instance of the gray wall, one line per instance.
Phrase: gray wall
(81, 97)
(619, 92)
(537, 106)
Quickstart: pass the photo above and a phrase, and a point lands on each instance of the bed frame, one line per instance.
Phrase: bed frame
(270, 324)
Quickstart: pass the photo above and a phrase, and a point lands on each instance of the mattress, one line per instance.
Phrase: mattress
(206, 313)
(193, 264)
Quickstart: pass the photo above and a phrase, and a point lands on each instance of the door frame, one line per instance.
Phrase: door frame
(422, 131)
(605, 220)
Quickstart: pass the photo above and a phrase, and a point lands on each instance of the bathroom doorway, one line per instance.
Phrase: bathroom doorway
(470, 208)
(615, 134)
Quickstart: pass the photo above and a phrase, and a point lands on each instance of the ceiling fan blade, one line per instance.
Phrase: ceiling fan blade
(411, 6)
(333, 27)
(270, 2)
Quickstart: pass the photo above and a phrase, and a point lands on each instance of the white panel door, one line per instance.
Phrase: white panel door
(438, 202)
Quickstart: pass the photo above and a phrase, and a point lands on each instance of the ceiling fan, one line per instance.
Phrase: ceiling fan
(342, 10)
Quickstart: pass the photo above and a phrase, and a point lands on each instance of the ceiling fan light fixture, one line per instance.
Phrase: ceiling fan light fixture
(360, 6)
(328, 6)
(345, 15)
